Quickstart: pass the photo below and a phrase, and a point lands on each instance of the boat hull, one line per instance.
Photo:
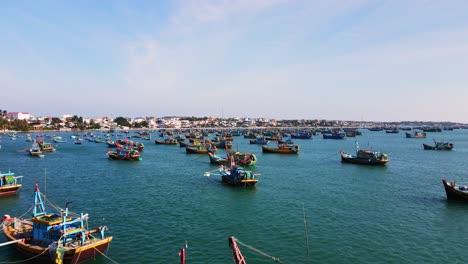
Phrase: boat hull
(192, 150)
(175, 142)
(241, 183)
(453, 193)
(266, 149)
(356, 160)
(443, 147)
(9, 189)
(74, 255)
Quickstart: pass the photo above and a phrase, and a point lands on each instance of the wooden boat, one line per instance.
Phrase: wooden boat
(301, 135)
(167, 141)
(236, 176)
(35, 151)
(415, 134)
(9, 183)
(199, 149)
(455, 191)
(124, 154)
(240, 159)
(392, 131)
(243, 159)
(59, 139)
(215, 159)
(439, 146)
(333, 135)
(282, 149)
(129, 144)
(223, 144)
(365, 157)
(55, 237)
(45, 147)
(260, 140)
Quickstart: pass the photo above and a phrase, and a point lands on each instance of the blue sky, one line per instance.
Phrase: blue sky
(347, 60)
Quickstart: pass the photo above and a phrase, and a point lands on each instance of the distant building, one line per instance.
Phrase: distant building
(18, 115)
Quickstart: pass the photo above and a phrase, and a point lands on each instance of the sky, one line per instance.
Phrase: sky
(338, 60)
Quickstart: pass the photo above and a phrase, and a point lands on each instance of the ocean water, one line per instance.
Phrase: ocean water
(397, 213)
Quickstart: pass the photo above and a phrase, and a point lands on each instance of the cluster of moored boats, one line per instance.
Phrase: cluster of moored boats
(64, 237)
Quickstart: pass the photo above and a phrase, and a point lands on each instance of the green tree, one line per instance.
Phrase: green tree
(121, 121)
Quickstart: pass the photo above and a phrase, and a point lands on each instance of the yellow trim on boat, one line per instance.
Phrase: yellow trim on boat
(93, 245)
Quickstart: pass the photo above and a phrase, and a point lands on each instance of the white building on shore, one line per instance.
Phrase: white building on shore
(18, 115)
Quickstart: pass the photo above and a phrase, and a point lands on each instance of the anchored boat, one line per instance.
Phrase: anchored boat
(9, 183)
(455, 191)
(364, 157)
(60, 237)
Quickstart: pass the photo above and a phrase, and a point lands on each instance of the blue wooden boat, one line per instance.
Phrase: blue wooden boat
(260, 140)
(59, 139)
(334, 135)
(301, 135)
(9, 183)
(236, 176)
(55, 237)
(35, 151)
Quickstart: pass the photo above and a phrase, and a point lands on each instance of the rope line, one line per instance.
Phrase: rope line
(113, 261)
(20, 261)
(260, 252)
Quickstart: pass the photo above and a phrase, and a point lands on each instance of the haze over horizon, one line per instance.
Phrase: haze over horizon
(334, 60)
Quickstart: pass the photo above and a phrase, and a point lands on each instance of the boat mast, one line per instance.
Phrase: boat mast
(237, 254)
(39, 208)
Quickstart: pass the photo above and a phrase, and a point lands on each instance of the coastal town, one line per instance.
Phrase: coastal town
(25, 121)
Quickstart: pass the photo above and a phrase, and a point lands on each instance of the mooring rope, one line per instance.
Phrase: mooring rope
(113, 261)
(260, 252)
(11, 262)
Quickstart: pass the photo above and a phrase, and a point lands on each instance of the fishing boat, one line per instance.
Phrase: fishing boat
(223, 144)
(35, 151)
(167, 141)
(282, 149)
(78, 141)
(124, 154)
(235, 175)
(215, 159)
(439, 145)
(456, 191)
(392, 131)
(243, 159)
(415, 134)
(45, 147)
(259, 140)
(301, 135)
(333, 135)
(199, 149)
(59, 139)
(364, 157)
(240, 159)
(9, 183)
(60, 237)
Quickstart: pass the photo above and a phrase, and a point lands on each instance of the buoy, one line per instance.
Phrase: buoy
(6, 218)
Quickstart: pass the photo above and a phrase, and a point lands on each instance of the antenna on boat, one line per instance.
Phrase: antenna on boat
(45, 183)
(306, 234)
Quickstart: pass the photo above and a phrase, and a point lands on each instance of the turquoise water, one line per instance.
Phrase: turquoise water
(355, 214)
